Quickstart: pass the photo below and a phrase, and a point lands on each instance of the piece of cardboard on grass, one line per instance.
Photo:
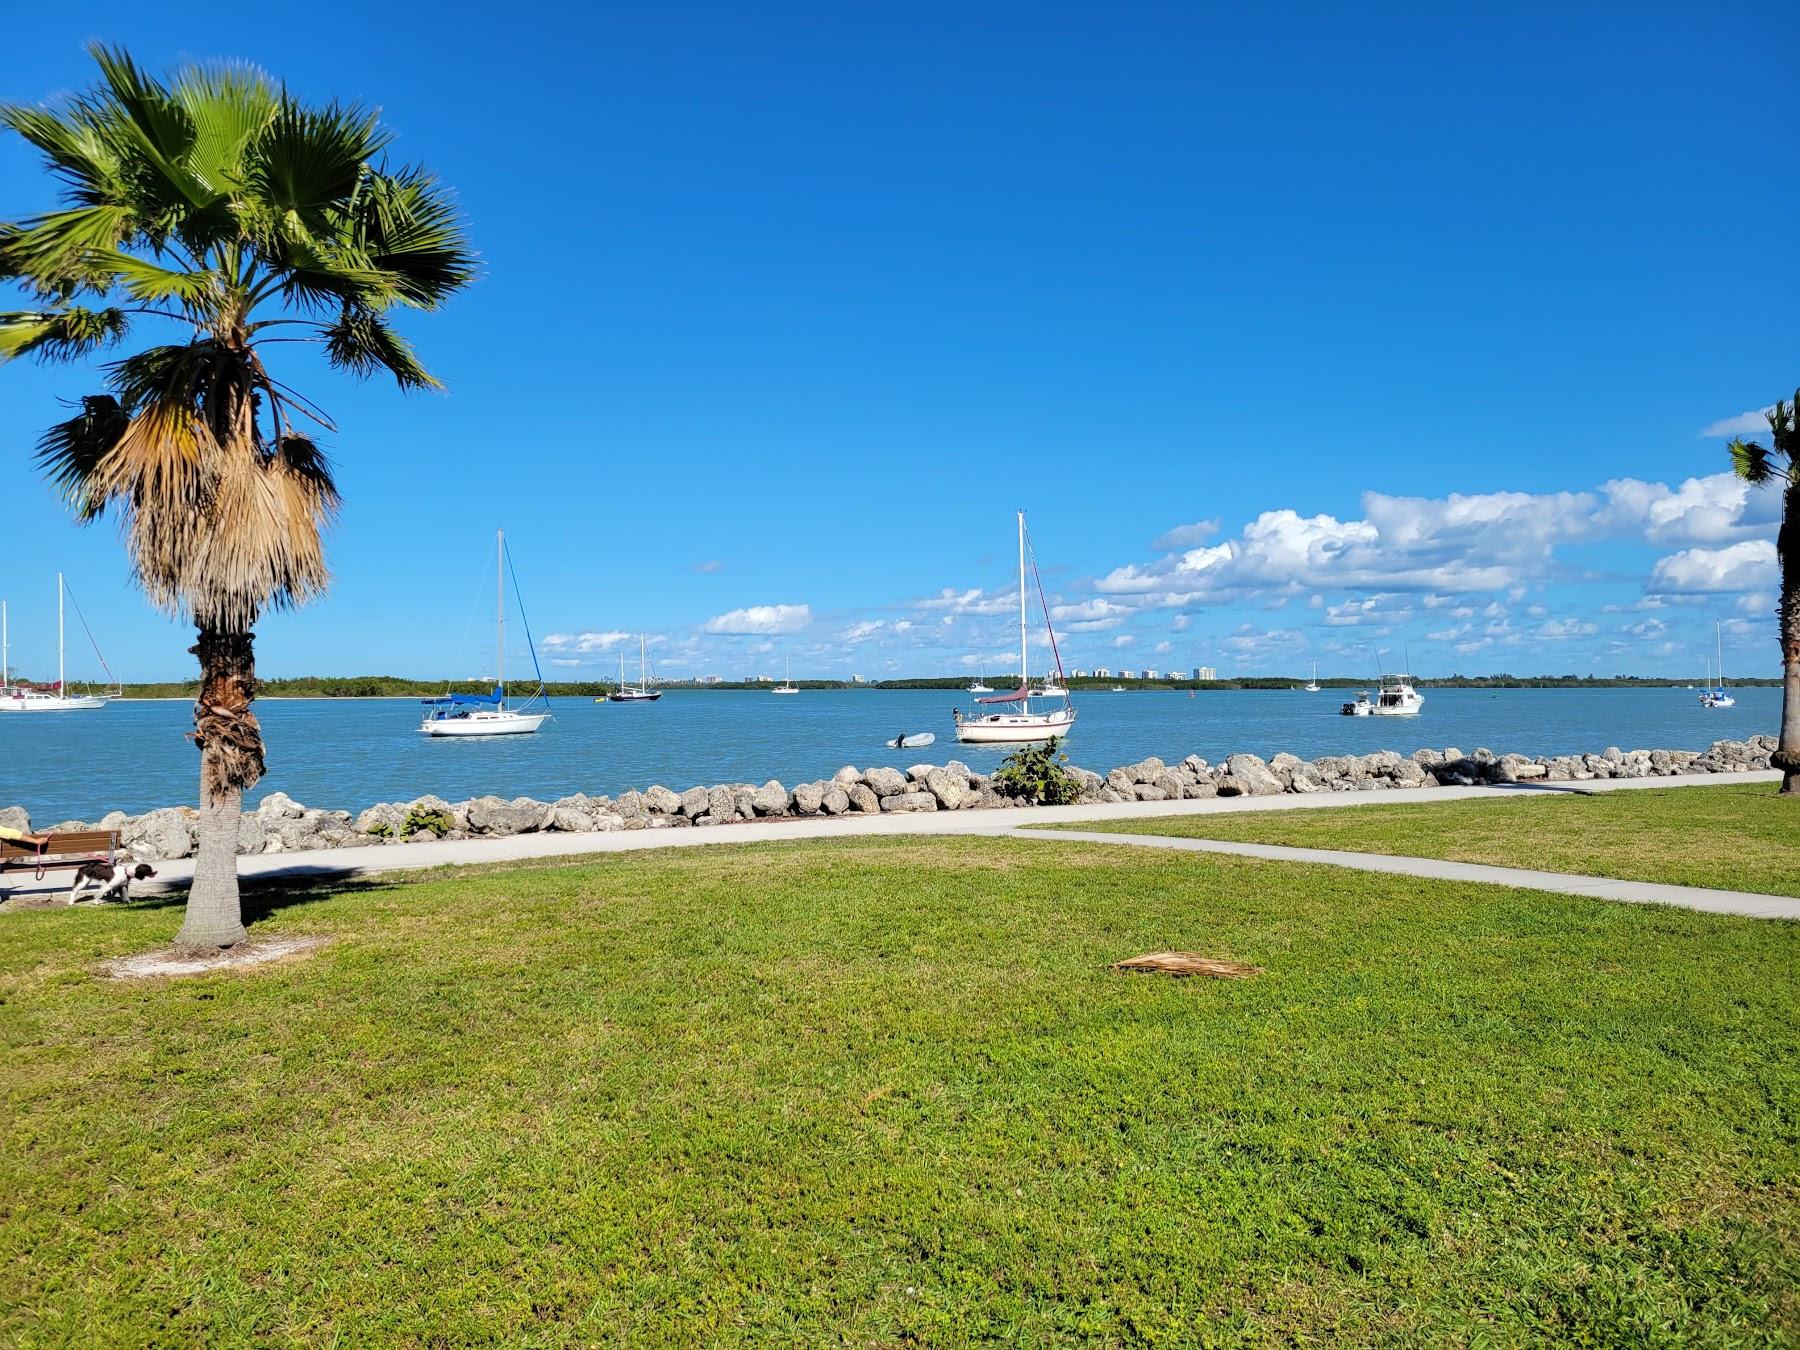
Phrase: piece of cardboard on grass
(1181, 964)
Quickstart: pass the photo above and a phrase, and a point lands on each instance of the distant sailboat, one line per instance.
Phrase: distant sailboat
(487, 714)
(980, 686)
(1312, 685)
(641, 692)
(1023, 724)
(787, 684)
(31, 698)
(1718, 697)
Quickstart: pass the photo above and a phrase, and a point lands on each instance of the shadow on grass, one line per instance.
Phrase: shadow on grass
(266, 897)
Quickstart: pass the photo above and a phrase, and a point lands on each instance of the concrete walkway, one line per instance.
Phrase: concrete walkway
(1749, 904)
(1007, 822)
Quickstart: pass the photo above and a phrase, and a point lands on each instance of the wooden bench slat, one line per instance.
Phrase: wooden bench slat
(60, 850)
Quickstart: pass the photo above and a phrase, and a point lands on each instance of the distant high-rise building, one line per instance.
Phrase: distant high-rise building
(1102, 673)
(1205, 673)
(1127, 674)
(1078, 674)
(1152, 674)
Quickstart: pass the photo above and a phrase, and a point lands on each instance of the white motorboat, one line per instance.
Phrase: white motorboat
(487, 714)
(1715, 696)
(1397, 698)
(1312, 685)
(1116, 689)
(1360, 706)
(29, 698)
(980, 686)
(641, 692)
(1019, 723)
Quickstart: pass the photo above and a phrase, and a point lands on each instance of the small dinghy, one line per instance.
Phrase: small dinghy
(918, 742)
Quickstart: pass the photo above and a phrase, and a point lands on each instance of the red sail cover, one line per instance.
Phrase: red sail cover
(1017, 696)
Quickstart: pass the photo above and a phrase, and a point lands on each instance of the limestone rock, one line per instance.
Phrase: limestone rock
(909, 801)
(696, 802)
(1250, 776)
(771, 799)
(951, 790)
(164, 833)
(721, 804)
(15, 818)
(835, 800)
(280, 805)
(808, 798)
(571, 820)
(493, 816)
(885, 782)
(863, 798)
(661, 800)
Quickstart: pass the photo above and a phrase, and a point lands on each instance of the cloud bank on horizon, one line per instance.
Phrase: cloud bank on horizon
(1626, 576)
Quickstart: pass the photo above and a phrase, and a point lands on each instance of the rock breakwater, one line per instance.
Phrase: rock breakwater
(279, 824)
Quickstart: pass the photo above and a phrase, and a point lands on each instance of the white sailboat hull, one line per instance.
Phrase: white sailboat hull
(29, 703)
(1014, 728)
(484, 724)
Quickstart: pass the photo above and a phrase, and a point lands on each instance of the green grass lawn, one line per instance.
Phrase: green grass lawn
(1740, 838)
(886, 1092)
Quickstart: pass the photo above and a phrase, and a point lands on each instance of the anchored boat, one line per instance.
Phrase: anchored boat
(487, 714)
(29, 698)
(641, 692)
(1020, 723)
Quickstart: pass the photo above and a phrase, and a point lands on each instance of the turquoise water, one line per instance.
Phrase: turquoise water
(347, 754)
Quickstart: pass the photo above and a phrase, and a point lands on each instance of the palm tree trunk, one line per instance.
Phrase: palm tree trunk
(231, 759)
(1787, 546)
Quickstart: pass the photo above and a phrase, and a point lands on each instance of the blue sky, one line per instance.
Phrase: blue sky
(1300, 331)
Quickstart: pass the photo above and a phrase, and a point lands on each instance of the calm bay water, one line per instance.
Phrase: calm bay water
(133, 756)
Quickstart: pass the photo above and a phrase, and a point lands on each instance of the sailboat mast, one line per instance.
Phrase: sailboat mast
(1024, 679)
(59, 634)
(3, 644)
(500, 608)
(1719, 641)
(643, 665)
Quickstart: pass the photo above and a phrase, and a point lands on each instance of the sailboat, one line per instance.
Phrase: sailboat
(1021, 723)
(1717, 697)
(487, 714)
(641, 692)
(787, 684)
(980, 685)
(1312, 685)
(57, 698)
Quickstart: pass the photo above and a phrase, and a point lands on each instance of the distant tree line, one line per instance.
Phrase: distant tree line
(393, 686)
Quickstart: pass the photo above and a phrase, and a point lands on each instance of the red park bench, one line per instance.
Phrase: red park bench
(60, 852)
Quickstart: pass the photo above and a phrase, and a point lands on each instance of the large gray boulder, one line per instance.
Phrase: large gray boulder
(280, 805)
(1145, 770)
(808, 798)
(835, 800)
(165, 833)
(721, 804)
(383, 818)
(16, 818)
(661, 801)
(696, 802)
(253, 833)
(885, 782)
(771, 799)
(1248, 776)
(950, 789)
(571, 820)
(909, 801)
(847, 775)
(863, 798)
(494, 816)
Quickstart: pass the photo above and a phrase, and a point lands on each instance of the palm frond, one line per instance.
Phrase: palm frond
(1750, 461)
(229, 107)
(306, 161)
(363, 342)
(59, 335)
(408, 226)
(70, 452)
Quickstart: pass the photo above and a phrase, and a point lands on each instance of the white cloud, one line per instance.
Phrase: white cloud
(710, 566)
(1647, 628)
(1757, 602)
(1567, 628)
(972, 601)
(1163, 648)
(1720, 508)
(858, 632)
(1123, 640)
(760, 619)
(1187, 536)
(1749, 566)
(1744, 424)
(583, 642)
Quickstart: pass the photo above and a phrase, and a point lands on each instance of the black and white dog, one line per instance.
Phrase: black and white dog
(109, 879)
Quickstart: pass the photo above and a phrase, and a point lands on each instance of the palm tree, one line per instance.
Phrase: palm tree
(216, 207)
(1779, 461)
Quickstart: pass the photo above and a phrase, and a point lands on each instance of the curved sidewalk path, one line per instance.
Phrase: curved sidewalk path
(1007, 823)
